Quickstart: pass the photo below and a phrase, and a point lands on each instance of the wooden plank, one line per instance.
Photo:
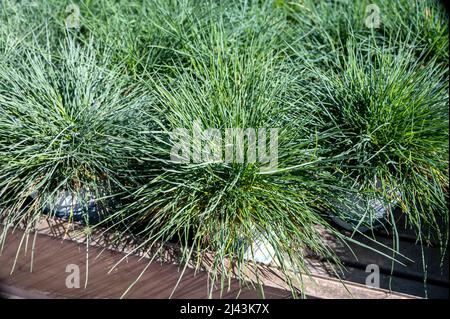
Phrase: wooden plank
(49, 274)
(160, 279)
(399, 284)
(405, 232)
(406, 274)
(11, 292)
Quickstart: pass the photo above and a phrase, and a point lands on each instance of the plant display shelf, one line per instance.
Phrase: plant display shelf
(58, 244)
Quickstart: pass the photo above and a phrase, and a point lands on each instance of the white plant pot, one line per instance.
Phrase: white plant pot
(261, 251)
(379, 208)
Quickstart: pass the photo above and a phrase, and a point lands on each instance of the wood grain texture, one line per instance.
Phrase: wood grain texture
(52, 254)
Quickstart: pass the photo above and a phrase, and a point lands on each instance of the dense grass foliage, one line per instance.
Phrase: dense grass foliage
(67, 124)
(90, 110)
(223, 207)
(390, 113)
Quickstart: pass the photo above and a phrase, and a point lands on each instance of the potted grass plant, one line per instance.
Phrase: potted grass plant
(217, 207)
(392, 119)
(87, 122)
(68, 127)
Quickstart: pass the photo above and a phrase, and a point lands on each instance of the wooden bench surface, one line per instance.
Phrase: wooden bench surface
(52, 255)
(410, 275)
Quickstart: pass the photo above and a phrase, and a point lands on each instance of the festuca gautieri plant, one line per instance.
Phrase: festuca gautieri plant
(357, 108)
(320, 29)
(218, 210)
(69, 131)
(389, 108)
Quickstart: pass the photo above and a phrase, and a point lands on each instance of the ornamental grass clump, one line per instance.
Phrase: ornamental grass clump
(389, 110)
(422, 24)
(69, 130)
(154, 34)
(237, 130)
(214, 208)
(322, 29)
